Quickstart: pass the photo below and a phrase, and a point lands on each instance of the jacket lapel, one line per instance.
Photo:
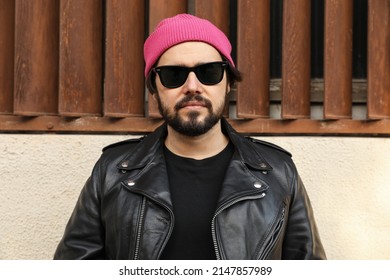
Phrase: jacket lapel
(243, 174)
(147, 167)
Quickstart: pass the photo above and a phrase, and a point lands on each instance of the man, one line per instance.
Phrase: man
(194, 188)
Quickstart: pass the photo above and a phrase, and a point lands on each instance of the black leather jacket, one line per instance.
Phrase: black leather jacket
(125, 212)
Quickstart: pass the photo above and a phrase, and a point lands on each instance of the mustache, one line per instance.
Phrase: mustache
(189, 98)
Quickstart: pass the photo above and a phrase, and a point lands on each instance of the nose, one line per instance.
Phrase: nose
(192, 83)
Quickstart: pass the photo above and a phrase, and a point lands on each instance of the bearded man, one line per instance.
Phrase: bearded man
(194, 188)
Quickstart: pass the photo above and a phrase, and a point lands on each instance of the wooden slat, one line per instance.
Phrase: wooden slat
(253, 51)
(36, 56)
(7, 30)
(296, 59)
(145, 125)
(216, 11)
(378, 100)
(81, 62)
(160, 9)
(124, 65)
(338, 59)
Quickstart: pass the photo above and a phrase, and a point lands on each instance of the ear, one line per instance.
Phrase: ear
(227, 88)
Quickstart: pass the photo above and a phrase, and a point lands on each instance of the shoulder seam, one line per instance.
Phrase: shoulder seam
(127, 141)
(271, 145)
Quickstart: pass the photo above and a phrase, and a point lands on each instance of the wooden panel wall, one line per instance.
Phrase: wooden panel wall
(77, 66)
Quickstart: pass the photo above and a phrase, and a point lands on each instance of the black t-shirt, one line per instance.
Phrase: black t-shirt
(194, 186)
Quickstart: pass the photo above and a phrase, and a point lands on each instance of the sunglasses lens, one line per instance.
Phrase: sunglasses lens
(172, 76)
(210, 73)
(175, 76)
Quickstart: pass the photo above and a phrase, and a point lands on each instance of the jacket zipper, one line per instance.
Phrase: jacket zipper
(222, 208)
(275, 233)
(139, 228)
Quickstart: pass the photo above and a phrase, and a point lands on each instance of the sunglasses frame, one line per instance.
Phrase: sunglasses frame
(188, 70)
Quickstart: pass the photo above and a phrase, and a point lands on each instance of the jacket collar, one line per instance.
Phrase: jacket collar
(149, 152)
(247, 153)
(146, 151)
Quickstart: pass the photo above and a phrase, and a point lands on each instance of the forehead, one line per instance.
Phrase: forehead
(189, 54)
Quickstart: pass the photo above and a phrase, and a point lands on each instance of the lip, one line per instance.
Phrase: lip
(194, 104)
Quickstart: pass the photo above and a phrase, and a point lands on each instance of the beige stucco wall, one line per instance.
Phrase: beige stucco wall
(347, 179)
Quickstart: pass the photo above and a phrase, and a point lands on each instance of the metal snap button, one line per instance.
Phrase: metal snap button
(257, 185)
(263, 165)
(130, 183)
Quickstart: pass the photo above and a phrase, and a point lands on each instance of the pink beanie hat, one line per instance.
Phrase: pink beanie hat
(183, 28)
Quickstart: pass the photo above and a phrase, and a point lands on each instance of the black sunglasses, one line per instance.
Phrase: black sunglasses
(175, 76)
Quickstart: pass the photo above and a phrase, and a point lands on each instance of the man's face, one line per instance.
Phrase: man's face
(193, 108)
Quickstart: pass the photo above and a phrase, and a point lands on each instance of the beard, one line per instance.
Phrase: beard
(192, 126)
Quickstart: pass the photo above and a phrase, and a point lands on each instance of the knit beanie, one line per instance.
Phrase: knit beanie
(183, 28)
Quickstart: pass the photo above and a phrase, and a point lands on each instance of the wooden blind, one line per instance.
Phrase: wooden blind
(124, 85)
(81, 73)
(36, 55)
(379, 59)
(338, 59)
(296, 59)
(77, 66)
(253, 45)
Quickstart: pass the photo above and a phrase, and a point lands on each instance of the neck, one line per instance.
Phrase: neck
(199, 147)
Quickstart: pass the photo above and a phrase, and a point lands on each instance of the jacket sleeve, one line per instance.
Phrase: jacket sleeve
(84, 234)
(302, 240)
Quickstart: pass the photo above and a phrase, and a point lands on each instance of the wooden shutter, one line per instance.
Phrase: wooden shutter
(338, 59)
(77, 66)
(296, 59)
(378, 102)
(253, 51)
(124, 88)
(81, 50)
(36, 53)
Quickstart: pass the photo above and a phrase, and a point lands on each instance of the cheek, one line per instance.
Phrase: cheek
(220, 93)
(167, 98)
